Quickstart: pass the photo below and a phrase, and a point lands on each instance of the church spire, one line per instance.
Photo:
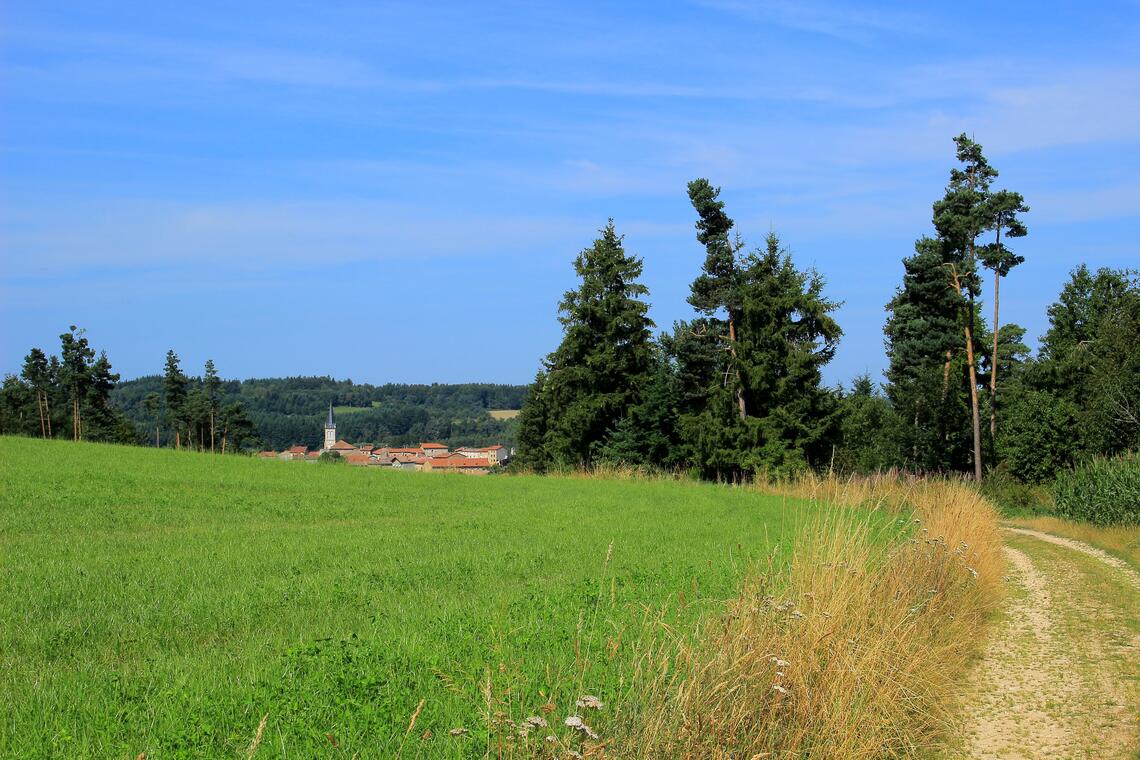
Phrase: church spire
(330, 429)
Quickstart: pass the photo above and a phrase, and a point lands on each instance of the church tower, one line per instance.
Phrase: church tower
(330, 430)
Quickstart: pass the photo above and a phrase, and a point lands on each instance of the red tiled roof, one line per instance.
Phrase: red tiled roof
(405, 457)
(342, 446)
(457, 463)
(357, 458)
(496, 447)
(298, 449)
(432, 446)
(404, 451)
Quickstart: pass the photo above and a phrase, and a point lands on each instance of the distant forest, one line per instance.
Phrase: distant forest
(291, 411)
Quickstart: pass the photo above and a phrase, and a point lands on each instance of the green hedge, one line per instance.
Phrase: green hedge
(1103, 491)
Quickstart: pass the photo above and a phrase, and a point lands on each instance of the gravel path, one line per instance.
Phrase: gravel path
(1059, 676)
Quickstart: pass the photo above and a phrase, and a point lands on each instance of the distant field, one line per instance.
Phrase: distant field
(342, 410)
(163, 602)
(504, 414)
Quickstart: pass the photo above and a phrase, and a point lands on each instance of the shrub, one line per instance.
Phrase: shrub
(1102, 491)
(1014, 498)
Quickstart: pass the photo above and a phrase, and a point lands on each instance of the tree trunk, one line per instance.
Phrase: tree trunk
(211, 431)
(946, 373)
(994, 358)
(177, 438)
(41, 407)
(974, 410)
(740, 405)
(225, 430)
(157, 439)
(974, 400)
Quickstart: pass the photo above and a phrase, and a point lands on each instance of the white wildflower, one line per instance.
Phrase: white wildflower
(536, 721)
(779, 688)
(458, 732)
(576, 723)
(590, 702)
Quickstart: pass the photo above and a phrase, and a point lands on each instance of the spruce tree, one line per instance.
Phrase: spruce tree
(532, 428)
(749, 393)
(921, 336)
(599, 371)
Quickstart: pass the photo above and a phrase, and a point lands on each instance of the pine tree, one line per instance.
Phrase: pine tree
(212, 386)
(1003, 208)
(37, 374)
(960, 217)
(75, 374)
(599, 370)
(174, 389)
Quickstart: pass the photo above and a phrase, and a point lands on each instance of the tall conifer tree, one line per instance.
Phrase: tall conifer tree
(960, 217)
(600, 369)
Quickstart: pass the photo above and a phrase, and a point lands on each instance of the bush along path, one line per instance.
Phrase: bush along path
(1060, 677)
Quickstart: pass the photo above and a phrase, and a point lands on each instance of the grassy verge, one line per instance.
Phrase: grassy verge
(1120, 541)
(855, 650)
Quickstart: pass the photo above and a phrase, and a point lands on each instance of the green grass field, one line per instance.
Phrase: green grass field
(162, 602)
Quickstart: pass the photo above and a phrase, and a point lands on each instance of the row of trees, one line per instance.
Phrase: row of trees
(64, 396)
(192, 411)
(738, 389)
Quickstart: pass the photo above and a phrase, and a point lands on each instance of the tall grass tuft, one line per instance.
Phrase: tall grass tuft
(855, 650)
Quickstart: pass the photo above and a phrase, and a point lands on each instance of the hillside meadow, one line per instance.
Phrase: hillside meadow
(164, 602)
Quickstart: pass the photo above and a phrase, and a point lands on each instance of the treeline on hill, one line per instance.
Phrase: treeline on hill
(737, 391)
(290, 411)
(76, 395)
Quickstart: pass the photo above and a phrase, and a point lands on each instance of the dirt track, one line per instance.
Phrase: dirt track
(1060, 677)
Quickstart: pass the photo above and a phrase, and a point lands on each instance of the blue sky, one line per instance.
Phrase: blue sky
(395, 192)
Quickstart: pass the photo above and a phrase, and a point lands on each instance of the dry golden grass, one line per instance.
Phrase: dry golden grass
(1123, 541)
(503, 414)
(851, 652)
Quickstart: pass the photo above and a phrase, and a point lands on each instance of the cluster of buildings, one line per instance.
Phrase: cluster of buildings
(432, 457)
